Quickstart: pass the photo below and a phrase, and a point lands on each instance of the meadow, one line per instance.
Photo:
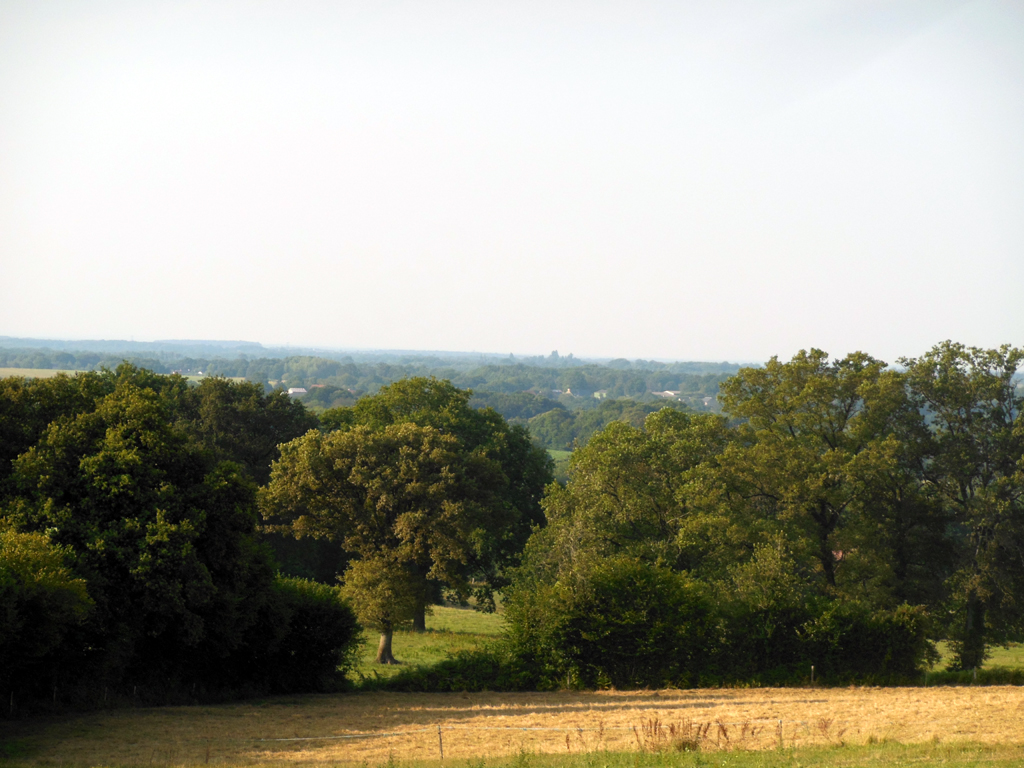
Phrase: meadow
(449, 630)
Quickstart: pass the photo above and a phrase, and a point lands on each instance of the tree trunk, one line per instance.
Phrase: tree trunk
(419, 619)
(384, 655)
(826, 520)
(971, 653)
(419, 616)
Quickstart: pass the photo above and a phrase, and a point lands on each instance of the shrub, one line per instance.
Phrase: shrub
(622, 622)
(849, 641)
(40, 603)
(319, 641)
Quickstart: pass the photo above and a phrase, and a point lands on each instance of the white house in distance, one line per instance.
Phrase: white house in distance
(296, 390)
(667, 393)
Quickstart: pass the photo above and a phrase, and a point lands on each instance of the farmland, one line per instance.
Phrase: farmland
(312, 730)
(820, 726)
(49, 373)
(34, 373)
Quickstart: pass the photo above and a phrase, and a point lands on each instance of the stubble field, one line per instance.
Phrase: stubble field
(376, 728)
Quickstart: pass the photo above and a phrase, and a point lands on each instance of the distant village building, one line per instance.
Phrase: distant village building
(601, 394)
(708, 402)
(296, 390)
(667, 393)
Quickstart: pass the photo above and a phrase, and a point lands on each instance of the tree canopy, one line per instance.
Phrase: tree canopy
(157, 577)
(418, 483)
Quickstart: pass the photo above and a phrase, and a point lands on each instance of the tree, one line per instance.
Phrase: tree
(408, 501)
(974, 467)
(384, 593)
(29, 406)
(520, 469)
(818, 457)
(162, 535)
(239, 423)
(40, 602)
(128, 550)
(629, 492)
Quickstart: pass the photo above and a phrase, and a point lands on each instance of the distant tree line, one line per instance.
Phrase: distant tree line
(355, 377)
(546, 394)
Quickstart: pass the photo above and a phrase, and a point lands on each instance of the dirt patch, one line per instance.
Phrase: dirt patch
(370, 727)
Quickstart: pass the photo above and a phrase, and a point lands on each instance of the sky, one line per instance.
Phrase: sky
(673, 180)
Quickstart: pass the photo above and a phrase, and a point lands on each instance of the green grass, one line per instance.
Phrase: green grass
(946, 754)
(1012, 657)
(449, 631)
(955, 755)
(999, 658)
(561, 464)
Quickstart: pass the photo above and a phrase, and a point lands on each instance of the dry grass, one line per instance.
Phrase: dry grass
(284, 730)
(34, 373)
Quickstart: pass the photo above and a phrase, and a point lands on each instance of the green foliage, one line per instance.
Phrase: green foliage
(383, 592)
(632, 491)
(124, 502)
(622, 622)
(974, 466)
(318, 638)
(40, 603)
(414, 480)
(517, 407)
(565, 430)
(238, 422)
(163, 538)
(852, 641)
(808, 521)
(767, 601)
(842, 516)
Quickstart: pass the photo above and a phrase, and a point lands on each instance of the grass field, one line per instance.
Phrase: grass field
(561, 464)
(847, 726)
(449, 630)
(47, 373)
(1007, 658)
(33, 373)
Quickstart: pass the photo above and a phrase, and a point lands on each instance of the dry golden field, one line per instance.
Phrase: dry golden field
(371, 727)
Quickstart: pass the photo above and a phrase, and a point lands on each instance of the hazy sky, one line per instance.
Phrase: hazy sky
(685, 180)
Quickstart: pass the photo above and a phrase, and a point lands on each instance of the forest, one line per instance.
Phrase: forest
(196, 540)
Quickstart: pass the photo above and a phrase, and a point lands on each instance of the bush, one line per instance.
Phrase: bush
(489, 669)
(318, 643)
(849, 641)
(40, 603)
(624, 623)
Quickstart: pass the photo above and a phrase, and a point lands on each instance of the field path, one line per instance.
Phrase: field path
(291, 730)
